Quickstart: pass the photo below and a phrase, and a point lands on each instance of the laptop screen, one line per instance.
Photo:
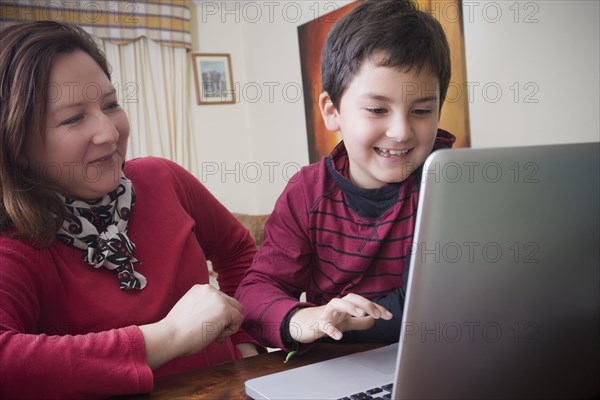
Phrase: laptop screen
(503, 291)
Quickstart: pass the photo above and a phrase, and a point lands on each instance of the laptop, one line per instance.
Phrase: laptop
(503, 293)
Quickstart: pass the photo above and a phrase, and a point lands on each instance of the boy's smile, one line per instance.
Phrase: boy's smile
(388, 118)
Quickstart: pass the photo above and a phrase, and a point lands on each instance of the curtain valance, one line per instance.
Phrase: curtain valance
(164, 21)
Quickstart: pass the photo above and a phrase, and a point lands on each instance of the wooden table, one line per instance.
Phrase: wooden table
(226, 381)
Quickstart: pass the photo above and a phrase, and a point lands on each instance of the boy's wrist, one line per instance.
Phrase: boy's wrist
(290, 343)
(302, 325)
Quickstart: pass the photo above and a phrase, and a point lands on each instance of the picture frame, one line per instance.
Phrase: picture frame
(213, 78)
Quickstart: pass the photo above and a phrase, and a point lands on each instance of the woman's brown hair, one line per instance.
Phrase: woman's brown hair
(29, 209)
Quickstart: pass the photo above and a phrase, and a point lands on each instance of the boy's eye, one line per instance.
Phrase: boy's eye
(422, 111)
(376, 110)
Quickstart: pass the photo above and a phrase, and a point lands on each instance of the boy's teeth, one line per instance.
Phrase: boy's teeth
(394, 152)
(397, 152)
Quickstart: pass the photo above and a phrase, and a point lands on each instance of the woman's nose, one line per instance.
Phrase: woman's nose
(106, 131)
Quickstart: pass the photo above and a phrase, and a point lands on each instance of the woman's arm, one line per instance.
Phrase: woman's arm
(117, 361)
(200, 317)
(224, 240)
(56, 363)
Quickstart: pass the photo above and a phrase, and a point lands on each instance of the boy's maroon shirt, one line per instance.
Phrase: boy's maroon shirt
(316, 242)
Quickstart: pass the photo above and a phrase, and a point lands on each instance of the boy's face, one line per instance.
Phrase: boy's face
(388, 118)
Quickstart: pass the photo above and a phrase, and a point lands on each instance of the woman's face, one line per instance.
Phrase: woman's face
(83, 147)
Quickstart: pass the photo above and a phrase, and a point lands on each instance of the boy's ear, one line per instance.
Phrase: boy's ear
(329, 113)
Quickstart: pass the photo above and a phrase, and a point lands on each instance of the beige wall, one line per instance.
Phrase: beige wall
(532, 68)
(546, 67)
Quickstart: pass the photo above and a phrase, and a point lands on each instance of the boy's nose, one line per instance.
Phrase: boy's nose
(399, 129)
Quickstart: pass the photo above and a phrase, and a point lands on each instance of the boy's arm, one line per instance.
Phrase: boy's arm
(347, 314)
(281, 269)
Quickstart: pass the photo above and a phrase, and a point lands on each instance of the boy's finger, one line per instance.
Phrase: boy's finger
(358, 324)
(341, 306)
(367, 307)
(329, 329)
(385, 314)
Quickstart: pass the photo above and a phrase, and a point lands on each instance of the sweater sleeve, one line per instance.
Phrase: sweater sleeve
(225, 241)
(35, 365)
(281, 269)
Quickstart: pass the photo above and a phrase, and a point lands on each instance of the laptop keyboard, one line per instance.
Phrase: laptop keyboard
(379, 393)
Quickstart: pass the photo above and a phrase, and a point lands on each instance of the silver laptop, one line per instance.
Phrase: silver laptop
(503, 295)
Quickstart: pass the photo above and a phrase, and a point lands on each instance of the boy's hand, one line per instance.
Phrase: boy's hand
(352, 312)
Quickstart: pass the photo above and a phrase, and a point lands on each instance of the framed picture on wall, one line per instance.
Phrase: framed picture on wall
(213, 78)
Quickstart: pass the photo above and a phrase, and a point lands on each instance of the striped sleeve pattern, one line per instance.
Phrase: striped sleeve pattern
(358, 255)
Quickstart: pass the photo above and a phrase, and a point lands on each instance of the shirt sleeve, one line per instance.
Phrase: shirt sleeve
(34, 365)
(281, 270)
(224, 240)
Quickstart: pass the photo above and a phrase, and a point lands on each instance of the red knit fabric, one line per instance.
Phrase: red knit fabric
(67, 330)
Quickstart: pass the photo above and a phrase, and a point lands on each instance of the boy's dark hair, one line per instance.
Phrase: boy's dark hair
(405, 36)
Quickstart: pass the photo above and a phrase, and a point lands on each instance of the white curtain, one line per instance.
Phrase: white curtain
(153, 84)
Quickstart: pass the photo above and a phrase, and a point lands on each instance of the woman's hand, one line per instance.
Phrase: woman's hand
(352, 312)
(201, 316)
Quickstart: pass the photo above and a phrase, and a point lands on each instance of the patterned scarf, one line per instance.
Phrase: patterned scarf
(99, 227)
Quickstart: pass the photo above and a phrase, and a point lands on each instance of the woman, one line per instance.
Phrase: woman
(103, 271)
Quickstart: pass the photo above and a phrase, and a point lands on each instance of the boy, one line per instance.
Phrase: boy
(342, 229)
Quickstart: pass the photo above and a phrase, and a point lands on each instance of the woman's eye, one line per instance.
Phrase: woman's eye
(72, 120)
(112, 106)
